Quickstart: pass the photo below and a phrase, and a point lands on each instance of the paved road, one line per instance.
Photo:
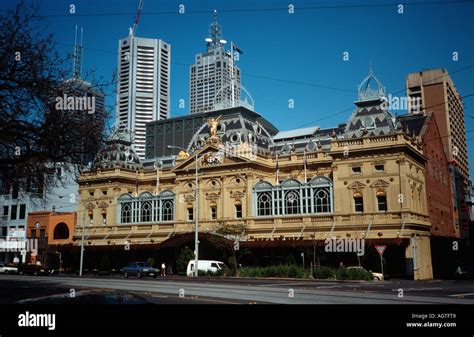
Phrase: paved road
(239, 290)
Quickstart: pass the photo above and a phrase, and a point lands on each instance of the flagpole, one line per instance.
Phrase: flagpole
(304, 162)
(232, 70)
(277, 170)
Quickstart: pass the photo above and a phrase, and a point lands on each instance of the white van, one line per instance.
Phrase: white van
(205, 265)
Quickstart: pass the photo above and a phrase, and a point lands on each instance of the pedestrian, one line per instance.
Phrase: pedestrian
(163, 269)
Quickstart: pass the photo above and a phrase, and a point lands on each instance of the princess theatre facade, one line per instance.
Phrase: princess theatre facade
(288, 191)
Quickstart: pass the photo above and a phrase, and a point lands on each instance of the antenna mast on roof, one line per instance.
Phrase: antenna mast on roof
(77, 60)
(137, 18)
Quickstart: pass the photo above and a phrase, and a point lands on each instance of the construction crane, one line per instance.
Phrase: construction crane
(137, 18)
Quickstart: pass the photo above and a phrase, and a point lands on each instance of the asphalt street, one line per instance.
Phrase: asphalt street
(176, 290)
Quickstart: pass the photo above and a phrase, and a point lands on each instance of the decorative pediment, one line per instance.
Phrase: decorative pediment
(356, 185)
(90, 206)
(379, 184)
(212, 196)
(212, 155)
(189, 198)
(103, 205)
(237, 194)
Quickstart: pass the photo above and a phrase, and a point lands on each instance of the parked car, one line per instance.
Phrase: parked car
(32, 269)
(139, 269)
(205, 266)
(8, 269)
(376, 276)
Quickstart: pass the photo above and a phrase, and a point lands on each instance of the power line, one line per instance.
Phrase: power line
(396, 92)
(244, 74)
(275, 9)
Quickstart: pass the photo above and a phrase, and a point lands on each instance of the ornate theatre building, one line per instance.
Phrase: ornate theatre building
(288, 191)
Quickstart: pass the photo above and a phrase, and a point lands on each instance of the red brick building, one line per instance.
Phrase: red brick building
(439, 191)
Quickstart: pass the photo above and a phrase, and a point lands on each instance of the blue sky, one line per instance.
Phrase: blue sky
(306, 46)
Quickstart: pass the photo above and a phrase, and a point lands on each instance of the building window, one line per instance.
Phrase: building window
(294, 197)
(13, 214)
(22, 211)
(213, 212)
(379, 168)
(61, 232)
(358, 203)
(322, 201)
(292, 202)
(382, 202)
(238, 211)
(356, 170)
(4, 231)
(264, 204)
(190, 213)
(168, 210)
(5, 212)
(33, 233)
(146, 212)
(15, 191)
(126, 214)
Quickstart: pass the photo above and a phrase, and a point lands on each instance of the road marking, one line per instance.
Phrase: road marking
(160, 296)
(457, 295)
(209, 300)
(418, 289)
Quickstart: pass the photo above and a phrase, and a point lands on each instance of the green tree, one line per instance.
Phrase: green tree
(227, 240)
(151, 261)
(185, 255)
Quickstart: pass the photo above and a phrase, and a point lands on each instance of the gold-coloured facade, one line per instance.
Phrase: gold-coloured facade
(382, 173)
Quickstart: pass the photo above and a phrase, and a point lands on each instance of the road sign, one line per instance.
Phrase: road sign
(380, 249)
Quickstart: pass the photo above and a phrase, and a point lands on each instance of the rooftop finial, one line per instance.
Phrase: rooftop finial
(366, 91)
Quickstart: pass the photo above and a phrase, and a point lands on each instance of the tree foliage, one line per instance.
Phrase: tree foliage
(35, 136)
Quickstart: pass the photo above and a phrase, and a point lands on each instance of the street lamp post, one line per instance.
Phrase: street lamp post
(82, 243)
(196, 227)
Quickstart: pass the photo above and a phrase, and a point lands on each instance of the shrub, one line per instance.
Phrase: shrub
(324, 273)
(274, 271)
(354, 274)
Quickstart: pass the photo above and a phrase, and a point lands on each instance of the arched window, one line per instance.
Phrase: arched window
(264, 203)
(145, 212)
(322, 200)
(168, 210)
(61, 231)
(126, 213)
(292, 202)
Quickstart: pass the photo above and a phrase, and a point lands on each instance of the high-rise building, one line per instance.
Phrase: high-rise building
(143, 89)
(435, 91)
(89, 109)
(211, 86)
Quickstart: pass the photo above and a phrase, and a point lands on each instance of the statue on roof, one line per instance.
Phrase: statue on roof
(213, 122)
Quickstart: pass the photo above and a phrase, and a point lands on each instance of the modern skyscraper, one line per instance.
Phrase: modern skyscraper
(143, 89)
(435, 91)
(211, 75)
(90, 106)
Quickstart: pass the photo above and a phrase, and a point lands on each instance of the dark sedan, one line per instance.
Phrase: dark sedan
(139, 269)
(32, 269)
